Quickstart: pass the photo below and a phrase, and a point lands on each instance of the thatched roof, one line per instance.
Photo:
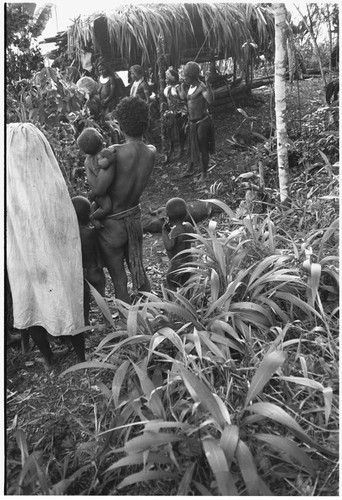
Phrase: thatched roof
(129, 34)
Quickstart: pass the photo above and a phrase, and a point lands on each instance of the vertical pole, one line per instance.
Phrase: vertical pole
(161, 71)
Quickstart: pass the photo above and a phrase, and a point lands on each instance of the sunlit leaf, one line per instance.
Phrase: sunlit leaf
(88, 365)
(248, 468)
(269, 365)
(229, 441)
(149, 440)
(138, 458)
(218, 464)
(118, 379)
(328, 398)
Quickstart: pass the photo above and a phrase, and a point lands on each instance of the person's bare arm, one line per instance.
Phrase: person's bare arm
(103, 180)
(168, 242)
(208, 93)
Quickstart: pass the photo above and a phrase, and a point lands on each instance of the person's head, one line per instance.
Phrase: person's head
(82, 209)
(132, 114)
(136, 72)
(90, 141)
(191, 72)
(171, 76)
(176, 209)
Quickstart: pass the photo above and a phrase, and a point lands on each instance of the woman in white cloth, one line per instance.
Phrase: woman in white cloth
(44, 260)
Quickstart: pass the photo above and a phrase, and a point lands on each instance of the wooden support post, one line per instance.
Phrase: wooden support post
(161, 86)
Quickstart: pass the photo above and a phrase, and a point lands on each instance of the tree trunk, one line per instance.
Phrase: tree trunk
(280, 102)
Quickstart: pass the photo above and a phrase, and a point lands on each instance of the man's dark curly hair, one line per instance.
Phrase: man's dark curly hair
(133, 116)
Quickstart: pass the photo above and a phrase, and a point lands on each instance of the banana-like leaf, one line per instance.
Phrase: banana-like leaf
(269, 365)
(211, 346)
(200, 392)
(229, 441)
(118, 379)
(101, 302)
(218, 464)
(144, 476)
(284, 445)
(153, 399)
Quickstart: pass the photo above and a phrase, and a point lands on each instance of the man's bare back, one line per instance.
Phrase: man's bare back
(134, 165)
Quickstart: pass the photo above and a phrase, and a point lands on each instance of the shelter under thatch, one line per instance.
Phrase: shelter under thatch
(132, 34)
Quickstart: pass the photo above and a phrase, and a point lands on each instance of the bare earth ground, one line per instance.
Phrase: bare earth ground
(45, 406)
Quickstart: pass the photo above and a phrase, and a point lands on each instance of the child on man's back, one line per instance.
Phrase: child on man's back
(90, 142)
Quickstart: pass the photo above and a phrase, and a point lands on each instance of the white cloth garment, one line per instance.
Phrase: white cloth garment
(135, 86)
(44, 260)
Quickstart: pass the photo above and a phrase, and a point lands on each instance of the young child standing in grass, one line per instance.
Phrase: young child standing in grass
(176, 239)
(91, 260)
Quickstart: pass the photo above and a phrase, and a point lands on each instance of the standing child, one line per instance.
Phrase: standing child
(91, 261)
(91, 143)
(176, 239)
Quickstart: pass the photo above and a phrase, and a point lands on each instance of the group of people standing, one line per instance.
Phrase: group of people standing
(54, 242)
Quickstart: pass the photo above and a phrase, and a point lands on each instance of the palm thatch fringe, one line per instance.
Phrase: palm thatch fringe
(131, 32)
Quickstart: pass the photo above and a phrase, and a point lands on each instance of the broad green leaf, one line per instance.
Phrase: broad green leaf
(132, 321)
(219, 466)
(22, 443)
(223, 408)
(313, 282)
(61, 486)
(138, 458)
(280, 416)
(269, 365)
(308, 382)
(328, 397)
(109, 337)
(215, 285)
(101, 302)
(149, 440)
(144, 476)
(118, 379)
(200, 392)
(296, 301)
(229, 441)
(210, 345)
(153, 399)
(284, 445)
(248, 469)
(89, 364)
(223, 206)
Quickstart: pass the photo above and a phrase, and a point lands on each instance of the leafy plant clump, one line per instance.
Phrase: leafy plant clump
(211, 389)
